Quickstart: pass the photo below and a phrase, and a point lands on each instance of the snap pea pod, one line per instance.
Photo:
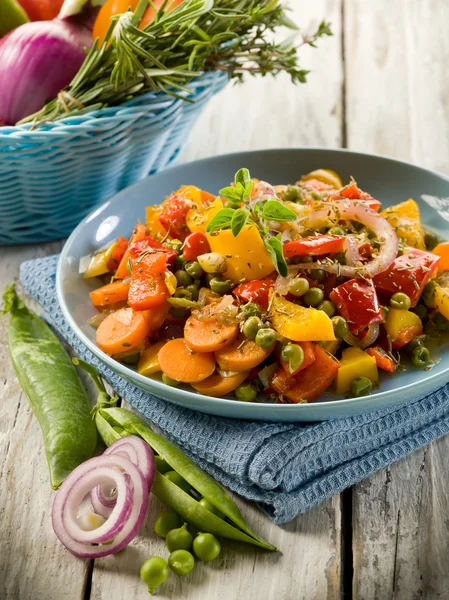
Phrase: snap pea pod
(168, 492)
(53, 387)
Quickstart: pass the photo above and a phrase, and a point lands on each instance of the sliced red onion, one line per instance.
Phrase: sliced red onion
(370, 337)
(282, 284)
(355, 211)
(351, 251)
(126, 518)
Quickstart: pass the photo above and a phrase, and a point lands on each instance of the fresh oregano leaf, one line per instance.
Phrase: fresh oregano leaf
(239, 220)
(231, 193)
(274, 210)
(274, 248)
(222, 220)
(243, 177)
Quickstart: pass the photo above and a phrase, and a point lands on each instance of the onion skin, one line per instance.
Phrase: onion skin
(37, 60)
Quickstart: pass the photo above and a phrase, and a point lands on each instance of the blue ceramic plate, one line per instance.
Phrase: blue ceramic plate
(390, 181)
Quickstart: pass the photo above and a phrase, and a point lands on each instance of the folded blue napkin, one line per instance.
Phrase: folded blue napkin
(285, 468)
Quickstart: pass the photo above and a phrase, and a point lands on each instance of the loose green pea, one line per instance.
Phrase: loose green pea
(165, 521)
(400, 300)
(440, 322)
(193, 291)
(176, 478)
(194, 269)
(298, 286)
(428, 294)
(179, 539)
(246, 392)
(251, 326)
(337, 230)
(420, 356)
(314, 296)
(169, 381)
(292, 354)
(306, 259)
(161, 465)
(293, 194)
(175, 245)
(265, 338)
(208, 277)
(220, 286)
(328, 307)
(181, 562)
(318, 275)
(132, 359)
(431, 240)
(421, 311)
(206, 547)
(181, 292)
(183, 278)
(251, 310)
(180, 262)
(341, 328)
(361, 386)
(180, 312)
(418, 342)
(211, 508)
(153, 572)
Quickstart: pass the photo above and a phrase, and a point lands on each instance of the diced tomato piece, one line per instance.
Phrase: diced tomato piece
(365, 251)
(383, 360)
(409, 274)
(139, 233)
(118, 252)
(407, 335)
(353, 192)
(195, 244)
(315, 185)
(148, 288)
(309, 358)
(255, 291)
(173, 216)
(356, 301)
(314, 246)
(149, 244)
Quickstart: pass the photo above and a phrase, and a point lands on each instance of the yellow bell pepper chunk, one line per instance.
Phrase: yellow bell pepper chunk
(399, 319)
(442, 250)
(298, 323)
(442, 301)
(156, 229)
(355, 363)
(246, 255)
(198, 218)
(148, 362)
(405, 218)
(98, 264)
(326, 176)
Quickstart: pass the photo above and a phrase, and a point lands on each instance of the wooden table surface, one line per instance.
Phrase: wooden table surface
(379, 85)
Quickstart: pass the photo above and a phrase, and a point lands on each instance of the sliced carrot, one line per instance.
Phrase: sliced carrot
(218, 386)
(180, 363)
(206, 333)
(111, 293)
(241, 354)
(122, 330)
(310, 383)
(148, 288)
(442, 250)
(406, 335)
(156, 316)
(309, 358)
(139, 233)
(383, 360)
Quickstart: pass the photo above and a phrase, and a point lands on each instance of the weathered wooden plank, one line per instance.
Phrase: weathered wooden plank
(33, 564)
(397, 104)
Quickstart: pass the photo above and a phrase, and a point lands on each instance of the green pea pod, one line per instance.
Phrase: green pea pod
(190, 471)
(53, 387)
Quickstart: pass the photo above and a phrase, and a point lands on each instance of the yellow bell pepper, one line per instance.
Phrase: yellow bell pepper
(442, 301)
(156, 229)
(148, 362)
(198, 218)
(298, 323)
(399, 319)
(355, 363)
(326, 176)
(246, 255)
(442, 250)
(98, 264)
(405, 218)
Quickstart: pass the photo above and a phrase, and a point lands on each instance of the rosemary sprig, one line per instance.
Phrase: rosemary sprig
(234, 36)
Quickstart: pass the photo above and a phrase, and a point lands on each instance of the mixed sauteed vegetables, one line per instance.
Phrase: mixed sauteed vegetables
(269, 291)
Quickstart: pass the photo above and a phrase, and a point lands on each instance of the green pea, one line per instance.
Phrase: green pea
(132, 359)
(292, 354)
(316, 196)
(165, 521)
(293, 193)
(181, 292)
(220, 286)
(211, 508)
(176, 478)
(420, 356)
(328, 307)
(153, 572)
(250, 310)
(341, 328)
(440, 322)
(181, 562)
(179, 539)
(208, 277)
(337, 230)
(246, 392)
(169, 381)
(318, 275)
(183, 278)
(400, 300)
(180, 312)
(431, 240)
(193, 291)
(428, 294)
(175, 245)
(265, 338)
(180, 262)
(206, 546)
(298, 286)
(251, 326)
(194, 269)
(161, 465)
(416, 343)
(361, 386)
(314, 296)
(306, 259)
(421, 311)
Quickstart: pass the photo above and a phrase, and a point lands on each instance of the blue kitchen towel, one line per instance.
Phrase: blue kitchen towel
(285, 468)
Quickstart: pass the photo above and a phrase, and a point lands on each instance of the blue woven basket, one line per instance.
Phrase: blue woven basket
(51, 177)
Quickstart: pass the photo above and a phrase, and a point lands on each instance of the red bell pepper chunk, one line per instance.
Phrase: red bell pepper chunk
(255, 291)
(173, 216)
(118, 252)
(149, 244)
(406, 335)
(383, 360)
(356, 301)
(409, 274)
(147, 288)
(195, 244)
(353, 192)
(314, 246)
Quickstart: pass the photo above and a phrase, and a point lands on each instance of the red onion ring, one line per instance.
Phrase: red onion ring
(354, 211)
(369, 338)
(351, 251)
